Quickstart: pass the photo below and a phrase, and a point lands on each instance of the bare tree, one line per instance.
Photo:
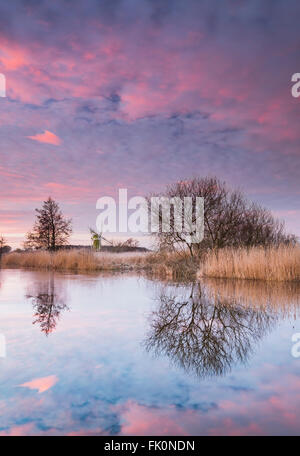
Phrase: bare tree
(229, 219)
(4, 248)
(2, 241)
(51, 229)
(48, 302)
(202, 333)
(123, 246)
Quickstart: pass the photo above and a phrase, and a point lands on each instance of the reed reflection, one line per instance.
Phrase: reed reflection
(282, 298)
(204, 333)
(48, 300)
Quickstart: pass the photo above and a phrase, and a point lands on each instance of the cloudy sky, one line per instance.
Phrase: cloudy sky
(108, 94)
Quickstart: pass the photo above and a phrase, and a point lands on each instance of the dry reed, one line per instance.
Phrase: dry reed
(280, 264)
(73, 260)
(163, 264)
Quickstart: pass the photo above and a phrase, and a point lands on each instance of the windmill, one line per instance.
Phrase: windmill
(97, 239)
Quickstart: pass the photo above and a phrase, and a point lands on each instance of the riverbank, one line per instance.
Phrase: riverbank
(272, 264)
(164, 264)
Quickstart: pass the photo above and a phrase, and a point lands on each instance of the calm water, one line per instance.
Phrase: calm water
(126, 355)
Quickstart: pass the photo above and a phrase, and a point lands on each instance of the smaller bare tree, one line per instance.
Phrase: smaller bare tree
(51, 229)
(4, 248)
(2, 244)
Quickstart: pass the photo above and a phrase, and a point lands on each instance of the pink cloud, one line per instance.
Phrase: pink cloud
(24, 429)
(13, 56)
(142, 420)
(62, 190)
(4, 172)
(41, 384)
(47, 137)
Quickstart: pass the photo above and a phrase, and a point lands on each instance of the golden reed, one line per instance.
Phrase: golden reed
(70, 260)
(280, 264)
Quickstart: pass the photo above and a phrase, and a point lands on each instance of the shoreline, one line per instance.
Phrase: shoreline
(281, 264)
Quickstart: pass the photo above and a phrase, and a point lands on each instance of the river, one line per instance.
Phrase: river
(130, 355)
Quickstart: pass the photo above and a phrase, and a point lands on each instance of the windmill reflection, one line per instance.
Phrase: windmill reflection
(202, 333)
(48, 303)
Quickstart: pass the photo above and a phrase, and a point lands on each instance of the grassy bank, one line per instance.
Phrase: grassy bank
(279, 264)
(168, 265)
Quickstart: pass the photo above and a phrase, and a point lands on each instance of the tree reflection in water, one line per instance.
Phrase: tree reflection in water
(48, 303)
(202, 333)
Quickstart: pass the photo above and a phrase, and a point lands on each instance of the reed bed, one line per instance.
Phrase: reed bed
(278, 264)
(73, 260)
(163, 264)
(272, 264)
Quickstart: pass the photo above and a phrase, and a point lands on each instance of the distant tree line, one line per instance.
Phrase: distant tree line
(230, 220)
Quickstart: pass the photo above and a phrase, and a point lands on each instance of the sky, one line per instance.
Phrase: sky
(137, 94)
